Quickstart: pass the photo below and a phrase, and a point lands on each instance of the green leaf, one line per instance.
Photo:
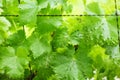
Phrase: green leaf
(16, 38)
(22, 54)
(39, 47)
(94, 8)
(111, 21)
(42, 4)
(28, 12)
(60, 38)
(49, 10)
(43, 73)
(68, 71)
(98, 51)
(10, 64)
(47, 24)
(66, 66)
(4, 24)
(10, 7)
(12, 67)
(83, 60)
(54, 7)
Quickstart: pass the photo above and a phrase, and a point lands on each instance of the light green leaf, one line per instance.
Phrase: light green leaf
(97, 50)
(53, 7)
(13, 67)
(39, 47)
(83, 61)
(22, 55)
(68, 71)
(10, 64)
(4, 24)
(10, 7)
(98, 55)
(60, 38)
(28, 13)
(111, 21)
(94, 8)
(16, 38)
(47, 24)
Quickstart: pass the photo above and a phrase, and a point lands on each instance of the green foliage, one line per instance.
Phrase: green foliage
(28, 12)
(12, 62)
(37, 47)
(10, 7)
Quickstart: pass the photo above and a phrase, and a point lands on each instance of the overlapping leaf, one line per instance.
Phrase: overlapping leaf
(28, 12)
(12, 64)
(10, 7)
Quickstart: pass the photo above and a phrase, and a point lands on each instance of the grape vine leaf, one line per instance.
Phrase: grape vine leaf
(28, 12)
(11, 63)
(10, 7)
(40, 46)
(70, 69)
(47, 24)
(4, 24)
(94, 8)
(16, 38)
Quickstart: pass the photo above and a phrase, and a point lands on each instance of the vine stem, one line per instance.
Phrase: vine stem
(23, 28)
